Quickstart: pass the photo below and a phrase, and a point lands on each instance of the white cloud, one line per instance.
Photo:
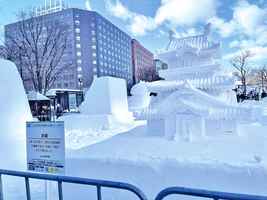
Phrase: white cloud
(175, 12)
(88, 5)
(249, 17)
(117, 9)
(259, 54)
(138, 24)
(248, 20)
(224, 28)
(185, 12)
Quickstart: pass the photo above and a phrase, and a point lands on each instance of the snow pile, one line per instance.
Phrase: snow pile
(140, 98)
(15, 112)
(107, 97)
(83, 130)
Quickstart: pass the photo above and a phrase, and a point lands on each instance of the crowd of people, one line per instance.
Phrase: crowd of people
(252, 94)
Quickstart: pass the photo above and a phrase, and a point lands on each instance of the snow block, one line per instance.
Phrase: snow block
(15, 112)
(107, 96)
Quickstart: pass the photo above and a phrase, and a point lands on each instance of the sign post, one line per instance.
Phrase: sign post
(46, 147)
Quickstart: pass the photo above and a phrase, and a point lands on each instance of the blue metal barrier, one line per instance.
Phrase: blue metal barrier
(99, 184)
(66, 179)
(206, 194)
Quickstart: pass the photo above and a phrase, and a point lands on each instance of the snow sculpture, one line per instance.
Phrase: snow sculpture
(107, 97)
(195, 59)
(196, 97)
(140, 97)
(15, 112)
(180, 111)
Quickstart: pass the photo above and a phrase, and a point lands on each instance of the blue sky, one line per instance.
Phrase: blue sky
(238, 24)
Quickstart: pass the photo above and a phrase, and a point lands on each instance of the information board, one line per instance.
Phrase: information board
(46, 147)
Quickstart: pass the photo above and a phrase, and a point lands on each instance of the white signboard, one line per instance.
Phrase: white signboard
(46, 147)
(72, 102)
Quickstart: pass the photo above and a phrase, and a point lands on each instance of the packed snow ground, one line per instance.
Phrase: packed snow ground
(227, 163)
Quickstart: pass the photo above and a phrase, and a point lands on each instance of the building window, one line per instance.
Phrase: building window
(78, 46)
(78, 38)
(93, 46)
(79, 69)
(77, 30)
(94, 62)
(77, 22)
(79, 61)
(79, 54)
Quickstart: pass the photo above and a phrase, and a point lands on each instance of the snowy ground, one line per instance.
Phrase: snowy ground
(226, 163)
(124, 152)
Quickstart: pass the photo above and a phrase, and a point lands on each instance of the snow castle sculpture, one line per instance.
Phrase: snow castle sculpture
(196, 59)
(188, 104)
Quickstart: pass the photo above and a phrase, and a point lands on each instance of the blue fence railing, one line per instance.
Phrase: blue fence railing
(206, 194)
(99, 184)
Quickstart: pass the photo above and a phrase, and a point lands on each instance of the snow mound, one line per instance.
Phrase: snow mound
(140, 98)
(83, 130)
(15, 112)
(107, 96)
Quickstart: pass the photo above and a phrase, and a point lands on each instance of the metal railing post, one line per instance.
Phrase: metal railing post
(99, 195)
(28, 190)
(1, 188)
(60, 194)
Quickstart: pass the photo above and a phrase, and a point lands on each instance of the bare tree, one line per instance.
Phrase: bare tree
(240, 63)
(262, 76)
(37, 46)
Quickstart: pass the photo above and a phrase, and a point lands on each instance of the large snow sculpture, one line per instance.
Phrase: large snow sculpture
(196, 59)
(107, 97)
(15, 112)
(196, 97)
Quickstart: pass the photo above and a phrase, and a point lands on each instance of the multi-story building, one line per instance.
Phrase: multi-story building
(143, 62)
(2, 52)
(95, 48)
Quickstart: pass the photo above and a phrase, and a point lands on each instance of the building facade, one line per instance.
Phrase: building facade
(143, 62)
(95, 48)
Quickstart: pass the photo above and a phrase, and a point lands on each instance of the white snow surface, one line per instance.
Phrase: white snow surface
(226, 163)
(15, 112)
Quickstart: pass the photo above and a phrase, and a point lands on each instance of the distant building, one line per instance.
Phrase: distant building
(160, 65)
(2, 52)
(142, 59)
(95, 48)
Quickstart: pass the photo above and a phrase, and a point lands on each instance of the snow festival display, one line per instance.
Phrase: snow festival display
(196, 59)
(107, 97)
(196, 97)
(15, 112)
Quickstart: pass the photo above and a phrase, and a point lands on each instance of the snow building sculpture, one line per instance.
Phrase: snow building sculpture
(180, 111)
(188, 104)
(107, 97)
(196, 59)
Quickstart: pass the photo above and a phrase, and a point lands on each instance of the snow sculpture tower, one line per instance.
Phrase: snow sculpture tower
(196, 59)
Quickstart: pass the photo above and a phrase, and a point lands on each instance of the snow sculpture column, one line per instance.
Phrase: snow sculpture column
(170, 126)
